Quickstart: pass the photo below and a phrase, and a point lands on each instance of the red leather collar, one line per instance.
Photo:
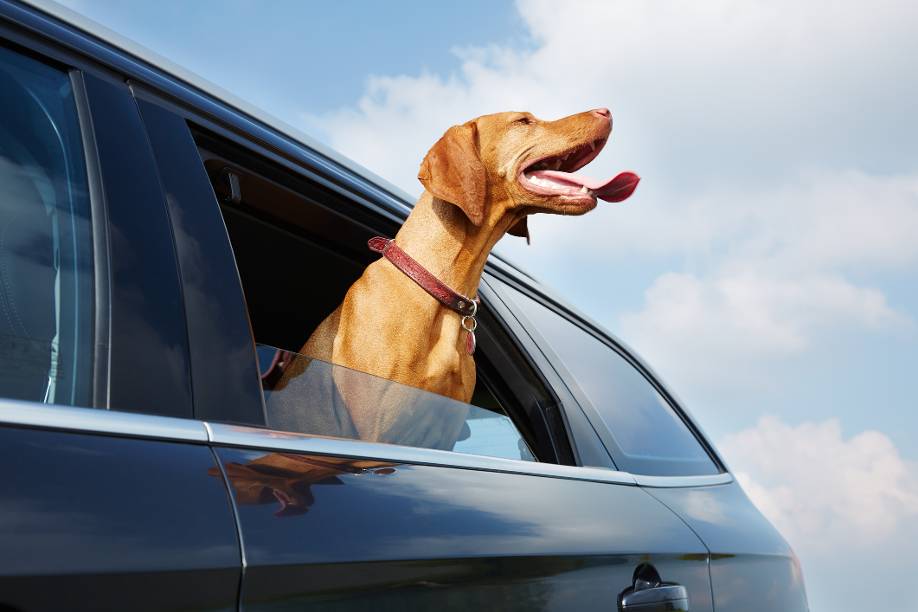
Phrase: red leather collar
(465, 306)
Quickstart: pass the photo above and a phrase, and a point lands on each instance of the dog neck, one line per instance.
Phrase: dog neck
(440, 237)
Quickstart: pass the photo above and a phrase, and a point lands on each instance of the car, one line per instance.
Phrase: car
(163, 249)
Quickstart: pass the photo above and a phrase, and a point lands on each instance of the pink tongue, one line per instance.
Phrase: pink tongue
(611, 190)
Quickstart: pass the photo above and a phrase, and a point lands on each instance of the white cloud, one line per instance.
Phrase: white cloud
(820, 488)
(774, 274)
(847, 505)
(725, 329)
(707, 90)
(696, 326)
(811, 220)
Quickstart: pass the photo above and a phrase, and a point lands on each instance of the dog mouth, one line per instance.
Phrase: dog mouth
(555, 176)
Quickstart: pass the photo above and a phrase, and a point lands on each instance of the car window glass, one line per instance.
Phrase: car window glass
(45, 238)
(316, 397)
(649, 436)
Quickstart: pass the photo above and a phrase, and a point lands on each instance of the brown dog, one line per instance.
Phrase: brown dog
(482, 179)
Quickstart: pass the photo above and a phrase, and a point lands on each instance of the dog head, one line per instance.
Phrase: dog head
(515, 164)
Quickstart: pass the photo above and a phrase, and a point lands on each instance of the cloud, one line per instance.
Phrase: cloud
(847, 505)
(775, 274)
(819, 487)
(706, 329)
(704, 91)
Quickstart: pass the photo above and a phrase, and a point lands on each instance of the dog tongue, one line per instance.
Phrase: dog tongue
(612, 190)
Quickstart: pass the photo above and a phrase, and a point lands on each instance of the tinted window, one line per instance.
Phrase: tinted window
(649, 436)
(45, 248)
(315, 397)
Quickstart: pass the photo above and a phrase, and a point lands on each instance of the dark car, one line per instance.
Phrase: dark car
(161, 251)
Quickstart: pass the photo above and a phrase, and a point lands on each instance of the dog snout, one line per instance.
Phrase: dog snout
(603, 112)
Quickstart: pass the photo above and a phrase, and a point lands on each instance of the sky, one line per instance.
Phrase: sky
(766, 267)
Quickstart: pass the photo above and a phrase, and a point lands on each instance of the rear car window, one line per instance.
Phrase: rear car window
(45, 238)
(648, 435)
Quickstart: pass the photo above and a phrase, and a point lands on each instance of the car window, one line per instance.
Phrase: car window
(316, 397)
(45, 238)
(298, 247)
(648, 435)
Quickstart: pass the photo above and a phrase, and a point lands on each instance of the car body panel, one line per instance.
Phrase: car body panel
(110, 523)
(419, 536)
(752, 567)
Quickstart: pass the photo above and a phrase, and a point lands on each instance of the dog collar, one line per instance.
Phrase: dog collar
(455, 301)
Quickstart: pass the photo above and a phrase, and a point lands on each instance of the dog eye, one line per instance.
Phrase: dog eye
(524, 120)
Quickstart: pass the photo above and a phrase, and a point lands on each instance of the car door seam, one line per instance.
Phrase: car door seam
(236, 521)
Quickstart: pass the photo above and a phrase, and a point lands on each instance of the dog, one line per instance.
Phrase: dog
(482, 179)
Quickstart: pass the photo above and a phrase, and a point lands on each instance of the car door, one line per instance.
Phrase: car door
(651, 438)
(341, 523)
(101, 508)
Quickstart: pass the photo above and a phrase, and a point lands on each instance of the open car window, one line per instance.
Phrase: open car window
(311, 396)
(298, 246)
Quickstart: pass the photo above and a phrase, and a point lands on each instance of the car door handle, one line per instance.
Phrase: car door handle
(664, 597)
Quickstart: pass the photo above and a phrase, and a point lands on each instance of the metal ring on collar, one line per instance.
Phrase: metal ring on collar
(469, 327)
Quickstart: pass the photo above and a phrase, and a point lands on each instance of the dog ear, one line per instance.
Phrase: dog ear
(520, 228)
(452, 171)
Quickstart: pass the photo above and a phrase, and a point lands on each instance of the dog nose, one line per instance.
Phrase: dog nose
(602, 112)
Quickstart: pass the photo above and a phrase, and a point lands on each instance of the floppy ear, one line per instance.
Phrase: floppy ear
(452, 171)
(520, 228)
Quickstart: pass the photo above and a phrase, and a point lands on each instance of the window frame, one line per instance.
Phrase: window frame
(562, 449)
(544, 299)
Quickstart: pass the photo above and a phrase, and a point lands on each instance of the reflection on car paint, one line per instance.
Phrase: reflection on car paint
(110, 523)
(341, 533)
(287, 478)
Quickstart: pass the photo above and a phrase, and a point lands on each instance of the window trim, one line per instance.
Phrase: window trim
(612, 343)
(154, 427)
(101, 247)
(33, 415)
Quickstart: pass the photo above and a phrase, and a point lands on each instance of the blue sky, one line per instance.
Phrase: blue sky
(766, 265)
